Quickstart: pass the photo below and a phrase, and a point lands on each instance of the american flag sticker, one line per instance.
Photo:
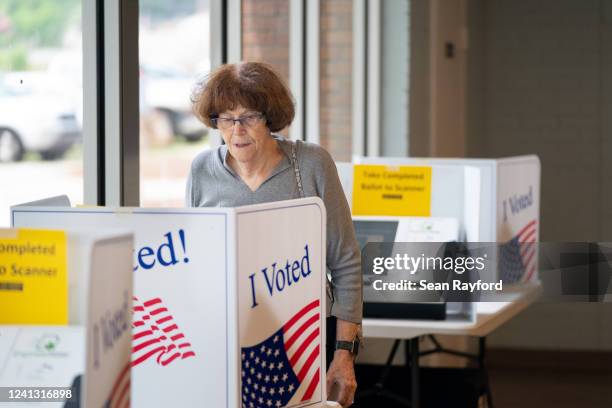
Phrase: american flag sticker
(284, 369)
(517, 260)
(156, 335)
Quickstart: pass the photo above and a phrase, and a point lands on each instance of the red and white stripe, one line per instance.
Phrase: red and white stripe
(527, 238)
(155, 334)
(120, 394)
(302, 337)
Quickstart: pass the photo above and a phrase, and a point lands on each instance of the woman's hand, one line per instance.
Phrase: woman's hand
(341, 378)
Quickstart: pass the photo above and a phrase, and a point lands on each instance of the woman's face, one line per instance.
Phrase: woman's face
(247, 140)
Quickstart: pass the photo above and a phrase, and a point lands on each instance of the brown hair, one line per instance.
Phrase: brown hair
(253, 85)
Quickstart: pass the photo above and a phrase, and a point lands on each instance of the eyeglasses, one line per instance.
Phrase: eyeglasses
(245, 121)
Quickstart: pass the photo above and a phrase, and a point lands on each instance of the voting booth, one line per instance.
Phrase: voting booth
(66, 297)
(229, 303)
(493, 200)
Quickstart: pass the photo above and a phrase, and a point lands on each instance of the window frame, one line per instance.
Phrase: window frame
(110, 91)
(110, 103)
(111, 136)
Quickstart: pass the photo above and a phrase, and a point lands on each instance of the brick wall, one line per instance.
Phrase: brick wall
(540, 83)
(265, 33)
(336, 60)
(265, 37)
(542, 94)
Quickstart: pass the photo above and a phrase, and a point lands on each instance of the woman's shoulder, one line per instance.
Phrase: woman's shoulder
(316, 164)
(313, 153)
(312, 157)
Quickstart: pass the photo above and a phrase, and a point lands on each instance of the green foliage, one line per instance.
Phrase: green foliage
(37, 22)
(14, 59)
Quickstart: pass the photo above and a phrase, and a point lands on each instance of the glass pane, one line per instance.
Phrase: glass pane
(395, 71)
(336, 61)
(174, 51)
(265, 34)
(40, 102)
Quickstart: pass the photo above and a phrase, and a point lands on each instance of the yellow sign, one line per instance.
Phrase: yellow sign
(391, 190)
(33, 277)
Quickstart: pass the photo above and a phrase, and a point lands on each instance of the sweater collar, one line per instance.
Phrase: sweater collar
(281, 141)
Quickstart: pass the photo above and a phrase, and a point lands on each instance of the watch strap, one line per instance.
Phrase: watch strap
(350, 346)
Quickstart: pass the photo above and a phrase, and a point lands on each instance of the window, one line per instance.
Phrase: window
(395, 72)
(40, 101)
(174, 48)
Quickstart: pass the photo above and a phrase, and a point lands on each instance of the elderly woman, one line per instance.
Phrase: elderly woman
(247, 102)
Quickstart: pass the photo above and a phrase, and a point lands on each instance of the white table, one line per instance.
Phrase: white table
(489, 316)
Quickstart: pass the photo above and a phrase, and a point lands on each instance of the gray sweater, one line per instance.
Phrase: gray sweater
(212, 183)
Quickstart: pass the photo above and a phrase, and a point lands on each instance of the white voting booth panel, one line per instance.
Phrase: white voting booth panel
(93, 352)
(229, 303)
(495, 200)
(454, 193)
(473, 191)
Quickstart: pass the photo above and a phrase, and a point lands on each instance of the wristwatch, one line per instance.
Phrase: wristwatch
(351, 346)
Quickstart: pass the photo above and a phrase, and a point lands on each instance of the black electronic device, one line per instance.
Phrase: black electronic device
(381, 233)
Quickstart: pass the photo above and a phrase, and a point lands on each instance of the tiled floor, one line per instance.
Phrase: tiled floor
(511, 388)
(546, 388)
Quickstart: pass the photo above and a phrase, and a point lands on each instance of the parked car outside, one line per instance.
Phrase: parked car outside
(34, 119)
(168, 92)
(165, 91)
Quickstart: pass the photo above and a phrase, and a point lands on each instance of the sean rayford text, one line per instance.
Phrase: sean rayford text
(423, 285)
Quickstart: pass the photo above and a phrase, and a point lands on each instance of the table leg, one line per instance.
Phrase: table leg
(482, 347)
(388, 365)
(379, 389)
(414, 371)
